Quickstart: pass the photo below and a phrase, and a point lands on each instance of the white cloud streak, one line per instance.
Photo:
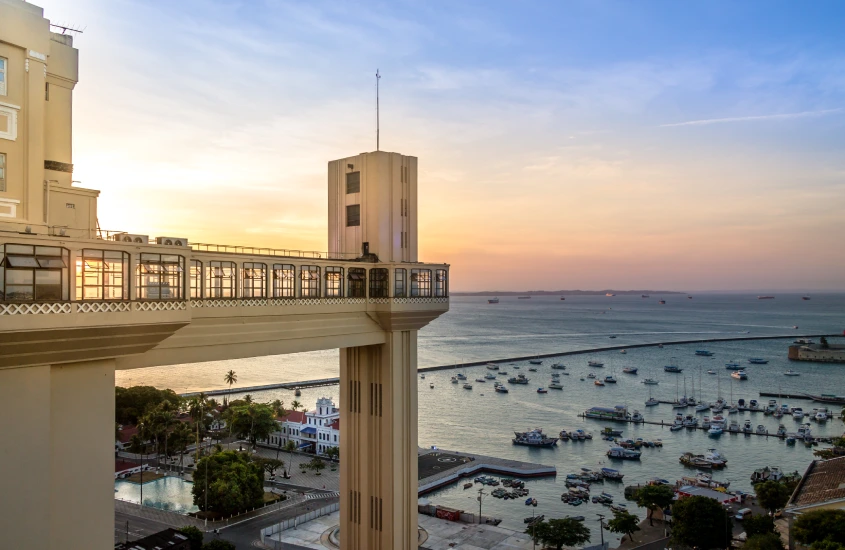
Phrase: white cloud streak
(784, 116)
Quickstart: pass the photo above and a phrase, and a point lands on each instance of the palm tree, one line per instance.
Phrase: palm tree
(248, 399)
(290, 447)
(278, 407)
(295, 405)
(230, 378)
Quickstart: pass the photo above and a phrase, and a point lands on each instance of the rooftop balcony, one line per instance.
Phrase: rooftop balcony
(62, 299)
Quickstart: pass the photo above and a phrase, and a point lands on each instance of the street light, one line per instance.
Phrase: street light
(601, 527)
(141, 430)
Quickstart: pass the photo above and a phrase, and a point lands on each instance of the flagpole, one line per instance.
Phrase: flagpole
(378, 77)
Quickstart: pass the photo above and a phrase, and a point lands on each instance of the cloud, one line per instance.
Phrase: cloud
(784, 116)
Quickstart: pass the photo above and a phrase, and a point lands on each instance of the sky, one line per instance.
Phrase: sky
(562, 145)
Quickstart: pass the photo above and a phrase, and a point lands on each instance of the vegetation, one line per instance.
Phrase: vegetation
(219, 544)
(230, 378)
(700, 522)
(758, 525)
(767, 541)
(820, 526)
(558, 533)
(290, 447)
(333, 453)
(316, 464)
(624, 522)
(194, 536)
(296, 405)
(772, 495)
(235, 483)
(133, 403)
(827, 545)
(655, 497)
(269, 465)
(253, 421)
(838, 448)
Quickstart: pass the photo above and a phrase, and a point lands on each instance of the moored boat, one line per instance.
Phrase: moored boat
(534, 438)
(630, 370)
(623, 453)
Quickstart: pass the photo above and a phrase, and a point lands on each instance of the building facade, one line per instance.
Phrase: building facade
(77, 303)
(314, 431)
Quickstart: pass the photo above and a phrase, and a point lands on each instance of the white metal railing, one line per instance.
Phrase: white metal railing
(298, 520)
(102, 307)
(43, 308)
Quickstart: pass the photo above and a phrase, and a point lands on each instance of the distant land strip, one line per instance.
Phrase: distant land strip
(565, 292)
(422, 370)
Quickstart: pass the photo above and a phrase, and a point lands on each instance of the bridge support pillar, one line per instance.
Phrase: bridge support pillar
(57, 456)
(378, 436)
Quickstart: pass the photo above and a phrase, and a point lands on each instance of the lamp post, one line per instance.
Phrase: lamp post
(141, 430)
(601, 527)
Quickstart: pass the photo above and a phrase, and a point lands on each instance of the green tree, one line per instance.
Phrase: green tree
(333, 453)
(772, 495)
(766, 541)
(758, 525)
(235, 483)
(624, 522)
(290, 447)
(253, 421)
(655, 497)
(219, 544)
(133, 403)
(270, 465)
(558, 533)
(700, 522)
(296, 405)
(230, 378)
(194, 536)
(316, 464)
(278, 407)
(827, 545)
(820, 525)
(180, 437)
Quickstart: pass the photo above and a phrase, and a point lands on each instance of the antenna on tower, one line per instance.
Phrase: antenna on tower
(66, 28)
(378, 77)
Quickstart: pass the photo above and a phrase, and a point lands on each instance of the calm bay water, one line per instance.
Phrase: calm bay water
(465, 420)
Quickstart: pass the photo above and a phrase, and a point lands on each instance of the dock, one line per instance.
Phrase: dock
(439, 467)
(281, 385)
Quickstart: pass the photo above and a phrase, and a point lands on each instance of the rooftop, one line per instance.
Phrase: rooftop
(169, 538)
(823, 481)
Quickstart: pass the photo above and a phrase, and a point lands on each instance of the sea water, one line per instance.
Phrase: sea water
(465, 420)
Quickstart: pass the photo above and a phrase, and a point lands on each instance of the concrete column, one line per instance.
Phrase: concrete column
(378, 442)
(57, 456)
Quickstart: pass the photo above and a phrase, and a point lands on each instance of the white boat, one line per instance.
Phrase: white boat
(791, 372)
(598, 364)
(747, 428)
(798, 413)
(651, 402)
(739, 375)
(650, 382)
(555, 386)
(714, 431)
(591, 375)
(431, 385)
(701, 407)
(637, 416)
(711, 372)
(490, 376)
(733, 426)
(454, 379)
(760, 429)
(821, 415)
(622, 351)
(492, 366)
(623, 453)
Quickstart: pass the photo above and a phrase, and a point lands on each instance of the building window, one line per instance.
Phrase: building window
(2, 172)
(310, 276)
(421, 283)
(441, 283)
(196, 279)
(284, 276)
(3, 64)
(379, 282)
(353, 215)
(357, 283)
(334, 282)
(160, 277)
(102, 275)
(353, 182)
(400, 290)
(30, 273)
(220, 279)
(255, 280)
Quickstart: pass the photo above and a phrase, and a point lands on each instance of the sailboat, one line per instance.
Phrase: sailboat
(734, 408)
(678, 404)
(651, 400)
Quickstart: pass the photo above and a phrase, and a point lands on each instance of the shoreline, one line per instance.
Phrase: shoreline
(336, 380)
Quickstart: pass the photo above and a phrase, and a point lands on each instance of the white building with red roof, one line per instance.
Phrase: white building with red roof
(314, 431)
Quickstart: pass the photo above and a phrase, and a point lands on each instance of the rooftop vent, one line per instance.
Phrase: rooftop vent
(172, 241)
(130, 238)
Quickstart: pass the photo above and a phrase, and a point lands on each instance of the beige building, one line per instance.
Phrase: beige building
(822, 487)
(76, 304)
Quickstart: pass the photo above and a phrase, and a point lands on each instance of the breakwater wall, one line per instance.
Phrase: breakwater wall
(333, 381)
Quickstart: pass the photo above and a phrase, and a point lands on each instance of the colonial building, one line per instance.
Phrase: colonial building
(314, 431)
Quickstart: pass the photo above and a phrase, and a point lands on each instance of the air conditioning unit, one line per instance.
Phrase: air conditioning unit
(130, 238)
(172, 241)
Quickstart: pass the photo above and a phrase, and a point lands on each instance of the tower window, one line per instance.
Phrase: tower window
(334, 282)
(254, 280)
(160, 277)
(30, 273)
(399, 290)
(3, 64)
(310, 275)
(378, 283)
(283, 281)
(102, 275)
(353, 182)
(421, 283)
(357, 282)
(353, 215)
(2, 171)
(220, 279)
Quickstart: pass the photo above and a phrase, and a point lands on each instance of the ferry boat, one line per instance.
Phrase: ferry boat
(704, 353)
(650, 382)
(518, 379)
(598, 364)
(492, 366)
(534, 438)
(791, 372)
(758, 361)
(739, 375)
(630, 370)
(493, 301)
(618, 413)
(623, 453)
